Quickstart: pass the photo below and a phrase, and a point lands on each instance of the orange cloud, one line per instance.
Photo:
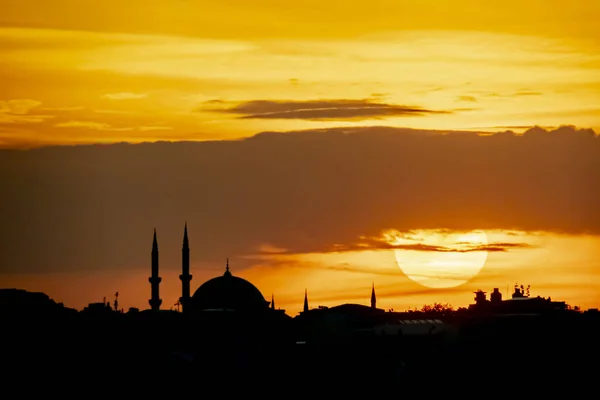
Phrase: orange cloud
(125, 96)
(17, 111)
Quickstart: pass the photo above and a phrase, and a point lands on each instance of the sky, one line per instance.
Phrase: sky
(321, 146)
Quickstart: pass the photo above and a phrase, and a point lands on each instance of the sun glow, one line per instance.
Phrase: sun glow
(440, 259)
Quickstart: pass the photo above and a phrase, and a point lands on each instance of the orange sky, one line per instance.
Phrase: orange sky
(77, 72)
(563, 267)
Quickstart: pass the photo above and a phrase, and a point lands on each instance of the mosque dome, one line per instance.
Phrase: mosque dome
(230, 293)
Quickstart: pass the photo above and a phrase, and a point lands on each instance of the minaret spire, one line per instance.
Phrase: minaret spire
(373, 297)
(185, 236)
(272, 301)
(227, 272)
(305, 300)
(185, 276)
(154, 280)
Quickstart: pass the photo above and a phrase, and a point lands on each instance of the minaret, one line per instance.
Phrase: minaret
(272, 301)
(373, 298)
(155, 300)
(185, 271)
(305, 301)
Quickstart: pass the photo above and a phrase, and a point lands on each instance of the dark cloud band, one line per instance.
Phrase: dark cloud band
(89, 207)
(319, 109)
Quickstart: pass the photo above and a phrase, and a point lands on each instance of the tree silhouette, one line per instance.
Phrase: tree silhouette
(437, 308)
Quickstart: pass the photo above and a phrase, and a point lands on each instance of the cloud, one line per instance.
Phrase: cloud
(466, 98)
(154, 128)
(526, 93)
(273, 263)
(100, 126)
(514, 94)
(515, 127)
(320, 109)
(66, 108)
(125, 96)
(104, 111)
(84, 124)
(90, 207)
(18, 106)
(7, 118)
(108, 127)
(377, 245)
(270, 249)
(459, 247)
(388, 282)
(17, 111)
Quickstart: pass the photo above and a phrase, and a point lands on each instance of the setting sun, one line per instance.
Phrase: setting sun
(454, 259)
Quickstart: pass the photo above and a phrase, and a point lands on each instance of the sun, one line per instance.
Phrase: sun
(440, 259)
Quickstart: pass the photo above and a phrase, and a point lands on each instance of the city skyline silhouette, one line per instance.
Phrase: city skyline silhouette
(493, 214)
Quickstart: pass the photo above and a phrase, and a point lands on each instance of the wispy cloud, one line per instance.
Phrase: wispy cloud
(513, 94)
(274, 261)
(340, 109)
(83, 124)
(514, 127)
(18, 111)
(154, 128)
(108, 127)
(527, 93)
(25, 119)
(125, 96)
(66, 108)
(466, 98)
(18, 106)
(458, 247)
(106, 111)
(91, 125)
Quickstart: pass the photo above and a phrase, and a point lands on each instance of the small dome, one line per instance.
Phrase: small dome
(228, 292)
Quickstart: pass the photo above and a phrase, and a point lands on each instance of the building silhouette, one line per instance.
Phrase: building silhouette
(520, 303)
(222, 294)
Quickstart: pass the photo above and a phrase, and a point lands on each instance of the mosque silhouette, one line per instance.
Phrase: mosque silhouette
(226, 293)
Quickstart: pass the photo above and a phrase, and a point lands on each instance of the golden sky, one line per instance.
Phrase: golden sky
(91, 71)
(85, 71)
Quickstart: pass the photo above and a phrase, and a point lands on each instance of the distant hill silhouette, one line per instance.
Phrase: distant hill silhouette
(25, 304)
